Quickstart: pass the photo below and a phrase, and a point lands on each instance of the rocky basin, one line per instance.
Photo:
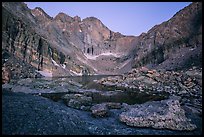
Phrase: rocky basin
(184, 83)
(61, 105)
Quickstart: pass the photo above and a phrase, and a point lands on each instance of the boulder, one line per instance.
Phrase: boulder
(149, 81)
(6, 75)
(99, 110)
(165, 114)
(144, 69)
(7, 86)
(77, 100)
(113, 105)
(26, 81)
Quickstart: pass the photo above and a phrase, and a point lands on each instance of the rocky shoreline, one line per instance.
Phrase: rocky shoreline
(61, 106)
(186, 84)
(28, 114)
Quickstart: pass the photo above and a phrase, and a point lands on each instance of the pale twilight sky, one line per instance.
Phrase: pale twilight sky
(128, 18)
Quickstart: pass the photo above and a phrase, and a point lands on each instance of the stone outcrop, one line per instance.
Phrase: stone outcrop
(40, 15)
(165, 114)
(14, 68)
(150, 80)
(102, 110)
(6, 75)
(99, 110)
(77, 101)
(186, 84)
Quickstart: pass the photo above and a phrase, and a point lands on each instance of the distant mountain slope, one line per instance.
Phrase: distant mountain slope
(174, 44)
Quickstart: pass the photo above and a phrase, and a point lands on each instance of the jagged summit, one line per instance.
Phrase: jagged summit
(40, 14)
(63, 17)
(92, 18)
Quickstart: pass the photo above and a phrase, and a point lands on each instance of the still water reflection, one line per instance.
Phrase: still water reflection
(101, 93)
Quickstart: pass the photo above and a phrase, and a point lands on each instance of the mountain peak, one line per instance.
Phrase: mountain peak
(77, 18)
(63, 17)
(91, 19)
(39, 12)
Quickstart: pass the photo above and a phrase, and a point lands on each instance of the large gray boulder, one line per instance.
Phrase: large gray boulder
(78, 101)
(100, 110)
(165, 114)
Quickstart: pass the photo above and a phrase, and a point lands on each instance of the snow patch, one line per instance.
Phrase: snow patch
(33, 14)
(45, 73)
(71, 43)
(78, 74)
(85, 62)
(93, 57)
(192, 49)
(90, 56)
(55, 63)
(125, 63)
(63, 66)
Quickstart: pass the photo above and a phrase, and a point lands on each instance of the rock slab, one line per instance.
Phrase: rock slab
(165, 114)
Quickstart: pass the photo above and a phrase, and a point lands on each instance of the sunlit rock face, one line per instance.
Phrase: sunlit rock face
(65, 45)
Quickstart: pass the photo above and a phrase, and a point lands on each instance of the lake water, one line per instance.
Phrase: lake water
(102, 93)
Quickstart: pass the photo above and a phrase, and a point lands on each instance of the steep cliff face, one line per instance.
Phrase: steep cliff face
(23, 38)
(22, 41)
(66, 45)
(63, 45)
(174, 44)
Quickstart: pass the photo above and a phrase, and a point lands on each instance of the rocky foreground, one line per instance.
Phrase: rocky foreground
(159, 114)
(63, 106)
(27, 114)
(186, 84)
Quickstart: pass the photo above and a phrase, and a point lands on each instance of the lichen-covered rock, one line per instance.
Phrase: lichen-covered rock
(77, 100)
(100, 110)
(6, 75)
(165, 114)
